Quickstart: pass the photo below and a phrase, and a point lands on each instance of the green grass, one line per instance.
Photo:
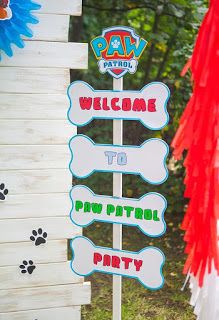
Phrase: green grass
(138, 303)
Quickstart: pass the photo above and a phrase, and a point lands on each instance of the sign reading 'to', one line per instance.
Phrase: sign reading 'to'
(147, 160)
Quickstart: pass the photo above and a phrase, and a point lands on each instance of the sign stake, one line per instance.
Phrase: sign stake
(117, 228)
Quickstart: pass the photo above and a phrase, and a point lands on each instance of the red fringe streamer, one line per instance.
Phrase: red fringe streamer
(199, 134)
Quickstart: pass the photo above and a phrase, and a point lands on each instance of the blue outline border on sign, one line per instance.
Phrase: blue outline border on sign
(113, 118)
(122, 198)
(121, 146)
(125, 251)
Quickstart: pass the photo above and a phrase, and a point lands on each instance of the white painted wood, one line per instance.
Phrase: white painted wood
(70, 7)
(35, 205)
(11, 254)
(34, 106)
(44, 297)
(36, 181)
(33, 165)
(65, 313)
(44, 54)
(51, 27)
(48, 274)
(36, 131)
(34, 80)
(13, 230)
(34, 157)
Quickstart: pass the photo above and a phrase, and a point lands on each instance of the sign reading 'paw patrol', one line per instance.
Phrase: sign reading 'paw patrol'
(118, 50)
(147, 213)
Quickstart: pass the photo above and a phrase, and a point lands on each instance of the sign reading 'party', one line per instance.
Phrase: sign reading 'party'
(147, 212)
(147, 105)
(118, 50)
(148, 160)
(145, 265)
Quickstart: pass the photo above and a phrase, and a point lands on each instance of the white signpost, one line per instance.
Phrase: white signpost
(148, 160)
(117, 228)
(145, 265)
(147, 213)
(118, 50)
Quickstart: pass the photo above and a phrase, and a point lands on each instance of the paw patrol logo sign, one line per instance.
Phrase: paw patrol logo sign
(118, 50)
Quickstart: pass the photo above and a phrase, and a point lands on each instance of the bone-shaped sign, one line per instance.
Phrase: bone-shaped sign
(145, 265)
(147, 105)
(148, 160)
(147, 212)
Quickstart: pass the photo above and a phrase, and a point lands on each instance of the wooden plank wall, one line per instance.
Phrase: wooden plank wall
(36, 281)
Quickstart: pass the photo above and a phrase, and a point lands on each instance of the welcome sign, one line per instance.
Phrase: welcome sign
(147, 105)
(117, 51)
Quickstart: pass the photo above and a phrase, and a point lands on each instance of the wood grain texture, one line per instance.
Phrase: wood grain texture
(35, 205)
(43, 275)
(44, 297)
(51, 27)
(35, 132)
(34, 106)
(44, 54)
(16, 230)
(65, 313)
(13, 253)
(70, 7)
(34, 157)
(34, 80)
(36, 181)
(34, 167)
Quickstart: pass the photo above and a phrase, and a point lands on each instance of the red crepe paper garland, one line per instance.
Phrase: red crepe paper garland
(198, 133)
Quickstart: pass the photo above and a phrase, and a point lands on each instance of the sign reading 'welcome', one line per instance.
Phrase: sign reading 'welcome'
(147, 105)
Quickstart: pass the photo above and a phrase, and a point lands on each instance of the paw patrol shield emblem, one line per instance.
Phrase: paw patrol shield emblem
(118, 50)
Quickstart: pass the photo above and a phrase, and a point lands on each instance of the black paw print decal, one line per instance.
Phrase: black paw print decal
(27, 266)
(3, 192)
(38, 237)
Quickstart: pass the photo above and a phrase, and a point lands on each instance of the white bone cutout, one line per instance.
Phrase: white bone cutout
(153, 120)
(147, 160)
(147, 213)
(145, 265)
